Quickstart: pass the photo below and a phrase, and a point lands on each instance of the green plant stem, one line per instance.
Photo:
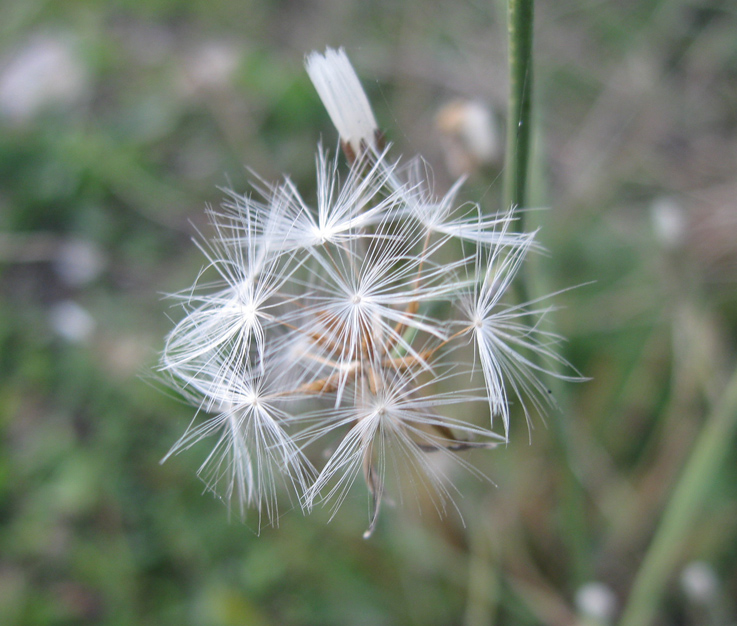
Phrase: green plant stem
(519, 114)
(712, 446)
(519, 151)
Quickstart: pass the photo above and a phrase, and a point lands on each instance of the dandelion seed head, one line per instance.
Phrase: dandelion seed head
(345, 321)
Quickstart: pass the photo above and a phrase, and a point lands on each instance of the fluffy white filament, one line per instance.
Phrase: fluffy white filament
(340, 91)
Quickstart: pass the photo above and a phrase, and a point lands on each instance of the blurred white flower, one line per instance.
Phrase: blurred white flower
(669, 222)
(71, 321)
(700, 582)
(374, 320)
(79, 262)
(208, 66)
(597, 602)
(469, 136)
(46, 71)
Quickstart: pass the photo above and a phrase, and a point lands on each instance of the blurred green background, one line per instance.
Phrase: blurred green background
(118, 123)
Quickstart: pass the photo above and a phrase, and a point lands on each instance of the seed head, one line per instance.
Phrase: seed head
(374, 319)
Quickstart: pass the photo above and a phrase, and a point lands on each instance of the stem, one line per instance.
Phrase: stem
(516, 175)
(709, 452)
(519, 114)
